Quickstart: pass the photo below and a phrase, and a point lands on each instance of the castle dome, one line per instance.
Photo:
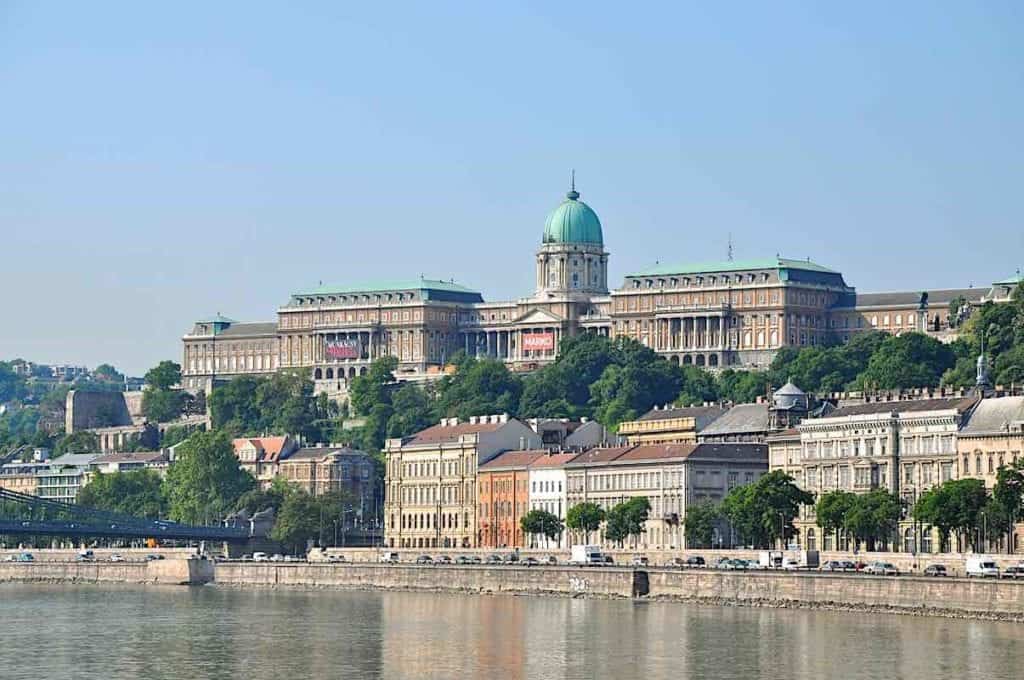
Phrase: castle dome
(573, 221)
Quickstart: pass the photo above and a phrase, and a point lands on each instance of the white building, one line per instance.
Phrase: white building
(548, 492)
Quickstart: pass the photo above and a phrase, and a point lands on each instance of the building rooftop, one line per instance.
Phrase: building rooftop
(320, 452)
(554, 460)
(757, 453)
(270, 448)
(901, 406)
(135, 457)
(739, 419)
(994, 416)
(704, 415)
(599, 455)
(443, 434)
(936, 298)
(737, 266)
(512, 460)
(393, 285)
(655, 452)
(73, 459)
(249, 329)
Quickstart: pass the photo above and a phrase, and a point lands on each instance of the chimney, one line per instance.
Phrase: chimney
(472, 420)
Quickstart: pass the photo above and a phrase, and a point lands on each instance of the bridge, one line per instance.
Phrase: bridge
(48, 517)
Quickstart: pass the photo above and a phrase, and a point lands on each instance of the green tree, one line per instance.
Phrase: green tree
(479, 387)
(412, 411)
(162, 406)
(107, 373)
(832, 509)
(699, 386)
(873, 516)
(373, 388)
(137, 492)
(541, 523)
(585, 517)
(163, 376)
(82, 441)
(205, 481)
(258, 499)
(699, 524)
(630, 388)
(954, 506)
(907, 360)
(764, 511)
(298, 520)
(627, 519)
(742, 387)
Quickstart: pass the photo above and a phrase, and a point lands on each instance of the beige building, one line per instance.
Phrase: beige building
(430, 482)
(671, 476)
(261, 456)
(903, 446)
(670, 424)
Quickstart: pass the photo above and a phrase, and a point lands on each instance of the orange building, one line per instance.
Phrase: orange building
(503, 485)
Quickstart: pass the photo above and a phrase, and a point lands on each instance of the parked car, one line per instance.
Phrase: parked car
(1016, 571)
(463, 559)
(530, 562)
(86, 556)
(116, 557)
(608, 559)
(443, 559)
(22, 557)
(676, 563)
(833, 565)
(552, 560)
(388, 558)
(849, 565)
(935, 570)
(277, 557)
(475, 559)
(694, 562)
(882, 569)
(640, 561)
(723, 563)
(424, 559)
(791, 564)
(494, 559)
(153, 557)
(336, 558)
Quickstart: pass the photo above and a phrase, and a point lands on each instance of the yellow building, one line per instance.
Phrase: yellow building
(670, 425)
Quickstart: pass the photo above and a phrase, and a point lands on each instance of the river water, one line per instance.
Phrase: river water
(94, 633)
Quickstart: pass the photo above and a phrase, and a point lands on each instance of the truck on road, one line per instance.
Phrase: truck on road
(584, 555)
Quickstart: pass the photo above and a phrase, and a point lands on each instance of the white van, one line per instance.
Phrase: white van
(259, 557)
(388, 558)
(981, 566)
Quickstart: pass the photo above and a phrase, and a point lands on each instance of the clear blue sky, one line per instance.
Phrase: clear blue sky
(161, 164)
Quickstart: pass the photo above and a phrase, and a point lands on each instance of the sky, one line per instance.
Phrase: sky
(159, 164)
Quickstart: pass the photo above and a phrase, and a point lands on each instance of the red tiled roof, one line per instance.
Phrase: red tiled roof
(602, 455)
(441, 434)
(513, 459)
(656, 452)
(269, 447)
(551, 460)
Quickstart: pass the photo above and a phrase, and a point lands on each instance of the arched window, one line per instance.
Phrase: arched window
(926, 540)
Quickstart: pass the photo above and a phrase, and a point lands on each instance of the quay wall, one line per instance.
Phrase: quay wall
(909, 594)
(163, 572)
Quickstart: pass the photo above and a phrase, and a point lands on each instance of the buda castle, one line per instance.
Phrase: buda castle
(713, 314)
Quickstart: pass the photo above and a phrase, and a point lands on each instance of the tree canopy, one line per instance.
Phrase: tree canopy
(136, 492)
(205, 481)
(763, 511)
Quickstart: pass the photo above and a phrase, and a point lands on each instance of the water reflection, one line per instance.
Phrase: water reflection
(96, 632)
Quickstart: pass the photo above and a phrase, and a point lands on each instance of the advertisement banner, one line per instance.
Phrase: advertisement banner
(536, 342)
(343, 349)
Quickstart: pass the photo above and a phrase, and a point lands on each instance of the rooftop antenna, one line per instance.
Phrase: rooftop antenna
(729, 248)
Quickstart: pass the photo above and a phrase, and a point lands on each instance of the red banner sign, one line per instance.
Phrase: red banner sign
(343, 349)
(535, 342)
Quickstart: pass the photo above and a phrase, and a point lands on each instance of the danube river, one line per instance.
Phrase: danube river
(96, 633)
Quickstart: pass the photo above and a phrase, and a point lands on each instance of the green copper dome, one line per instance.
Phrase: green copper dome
(573, 222)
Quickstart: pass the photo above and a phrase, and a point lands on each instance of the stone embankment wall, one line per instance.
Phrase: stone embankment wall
(100, 554)
(615, 582)
(164, 572)
(951, 596)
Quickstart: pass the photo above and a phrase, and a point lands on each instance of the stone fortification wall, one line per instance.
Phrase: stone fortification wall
(84, 410)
